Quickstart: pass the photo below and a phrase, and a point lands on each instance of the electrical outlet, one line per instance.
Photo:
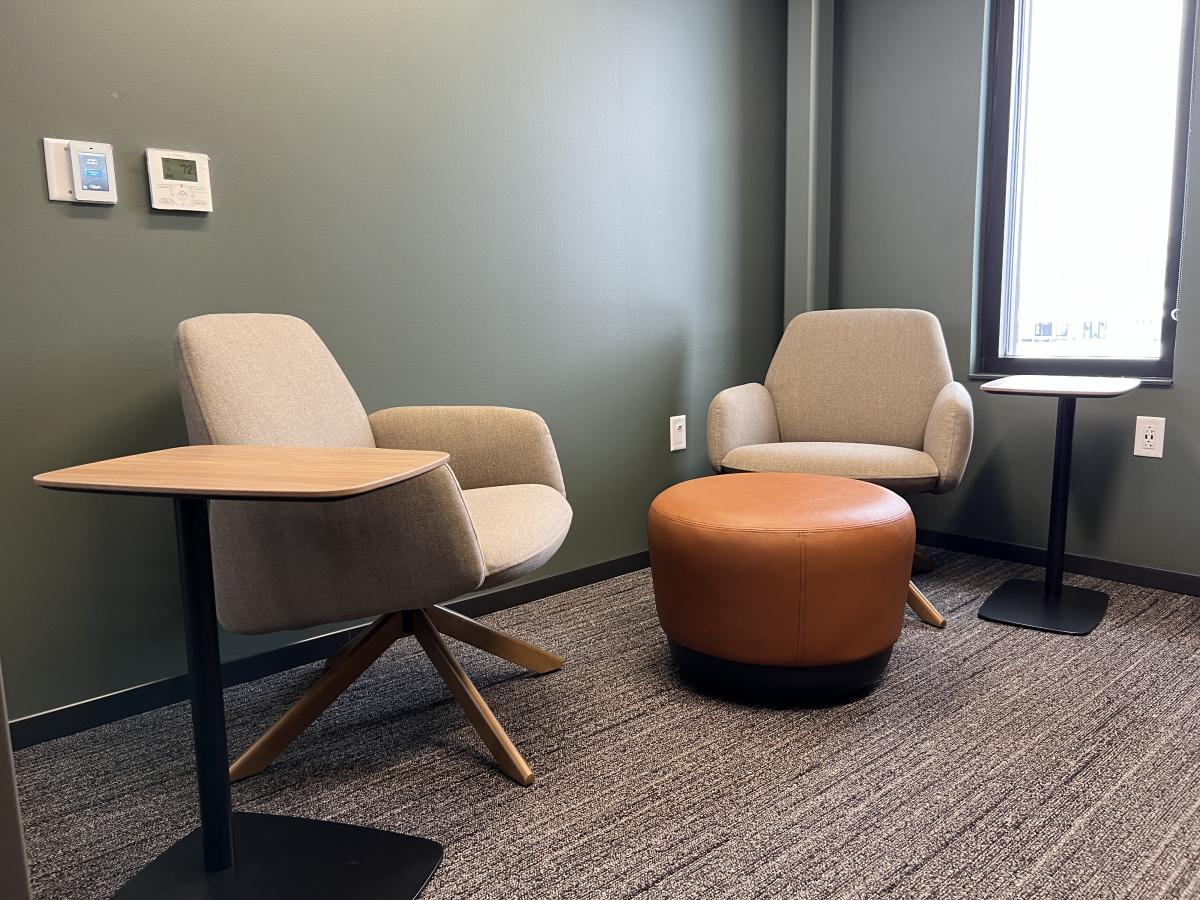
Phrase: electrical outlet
(1149, 436)
(678, 433)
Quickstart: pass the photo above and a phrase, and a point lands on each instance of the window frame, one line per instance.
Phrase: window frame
(995, 230)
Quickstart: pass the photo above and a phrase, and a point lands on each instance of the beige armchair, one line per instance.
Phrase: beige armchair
(497, 512)
(861, 393)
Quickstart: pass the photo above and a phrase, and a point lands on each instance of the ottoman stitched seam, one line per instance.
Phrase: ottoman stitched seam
(793, 530)
(890, 479)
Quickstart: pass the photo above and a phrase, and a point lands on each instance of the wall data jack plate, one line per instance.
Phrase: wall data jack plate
(80, 171)
(678, 433)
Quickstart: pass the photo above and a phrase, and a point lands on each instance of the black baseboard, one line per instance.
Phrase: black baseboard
(1162, 579)
(76, 717)
(507, 598)
(81, 716)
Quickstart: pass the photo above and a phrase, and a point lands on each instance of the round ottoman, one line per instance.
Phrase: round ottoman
(781, 584)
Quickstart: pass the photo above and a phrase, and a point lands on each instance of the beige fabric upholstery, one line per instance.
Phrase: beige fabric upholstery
(739, 416)
(898, 468)
(279, 566)
(949, 434)
(864, 376)
(268, 379)
(863, 393)
(265, 379)
(488, 445)
(520, 527)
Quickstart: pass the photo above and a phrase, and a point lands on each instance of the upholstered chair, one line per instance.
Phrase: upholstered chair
(860, 393)
(498, 511)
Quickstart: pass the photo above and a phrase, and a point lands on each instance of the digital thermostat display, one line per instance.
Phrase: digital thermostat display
(93, 172)
(179, 169)
(179, 180)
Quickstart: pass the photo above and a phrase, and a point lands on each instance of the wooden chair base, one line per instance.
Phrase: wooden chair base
(428, 626)
(923, 608)
(468, 697)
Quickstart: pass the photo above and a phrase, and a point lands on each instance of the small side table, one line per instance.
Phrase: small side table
(1051, 606)
(280, 856)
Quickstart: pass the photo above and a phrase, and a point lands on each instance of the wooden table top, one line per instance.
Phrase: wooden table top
(230, 471)
(1061, 386)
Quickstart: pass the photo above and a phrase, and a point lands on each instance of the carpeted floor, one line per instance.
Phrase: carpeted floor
(992, 762)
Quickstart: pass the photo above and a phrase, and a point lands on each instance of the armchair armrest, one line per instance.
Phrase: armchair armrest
(488, 445)
(949, 433)
(739, 416)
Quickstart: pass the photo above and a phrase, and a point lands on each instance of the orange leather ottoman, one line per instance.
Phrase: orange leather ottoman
(781, 583)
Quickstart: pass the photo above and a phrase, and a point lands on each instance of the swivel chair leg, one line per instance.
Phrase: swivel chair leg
(345, 666)
(923, 608)
(342, 670)
(469, 698)
(516, 651)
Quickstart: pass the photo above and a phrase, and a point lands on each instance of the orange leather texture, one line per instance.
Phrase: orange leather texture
(781, 569)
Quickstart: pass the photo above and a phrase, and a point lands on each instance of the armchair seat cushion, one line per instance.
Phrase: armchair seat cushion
(519, 527)
(900, 469)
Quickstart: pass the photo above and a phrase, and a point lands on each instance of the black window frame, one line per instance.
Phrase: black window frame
(1007, 17)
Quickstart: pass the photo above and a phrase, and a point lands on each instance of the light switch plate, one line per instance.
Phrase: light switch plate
(59, 185)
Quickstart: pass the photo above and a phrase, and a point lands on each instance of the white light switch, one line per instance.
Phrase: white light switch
(59, 184)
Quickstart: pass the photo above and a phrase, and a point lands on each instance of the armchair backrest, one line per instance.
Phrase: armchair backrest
(866, 376)
(255, 378)
(268, 379)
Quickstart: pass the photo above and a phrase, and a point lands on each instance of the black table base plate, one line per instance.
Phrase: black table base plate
(1021, 602)
(299, 859)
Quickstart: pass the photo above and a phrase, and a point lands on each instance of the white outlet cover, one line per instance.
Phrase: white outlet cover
(1149, 435)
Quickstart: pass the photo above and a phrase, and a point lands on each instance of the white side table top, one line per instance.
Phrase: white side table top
(1061, 386)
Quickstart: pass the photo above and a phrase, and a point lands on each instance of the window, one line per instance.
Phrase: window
(1084, 185)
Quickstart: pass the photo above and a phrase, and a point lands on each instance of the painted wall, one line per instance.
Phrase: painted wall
(904, 234)
(575, 208)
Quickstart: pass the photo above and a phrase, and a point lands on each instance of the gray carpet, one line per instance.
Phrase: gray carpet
(992, 762)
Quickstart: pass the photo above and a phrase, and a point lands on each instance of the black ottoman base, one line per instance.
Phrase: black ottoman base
(799, 685)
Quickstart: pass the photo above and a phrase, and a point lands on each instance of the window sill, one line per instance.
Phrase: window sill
(1147, 381)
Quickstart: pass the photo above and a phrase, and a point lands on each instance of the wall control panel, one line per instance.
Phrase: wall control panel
(80, 171)
(179, 180)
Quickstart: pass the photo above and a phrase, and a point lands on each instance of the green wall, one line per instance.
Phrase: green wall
(571, 207)
(904, 234)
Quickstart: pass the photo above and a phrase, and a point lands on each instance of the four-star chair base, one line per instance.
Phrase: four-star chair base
(427, 626)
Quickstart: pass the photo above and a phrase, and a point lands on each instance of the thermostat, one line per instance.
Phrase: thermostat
(82, 171)
(179, 180)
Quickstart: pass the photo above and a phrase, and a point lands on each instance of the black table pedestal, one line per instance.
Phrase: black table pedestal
(277, 856)
(1022, 602)
(280, 858)
(1049, 605)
